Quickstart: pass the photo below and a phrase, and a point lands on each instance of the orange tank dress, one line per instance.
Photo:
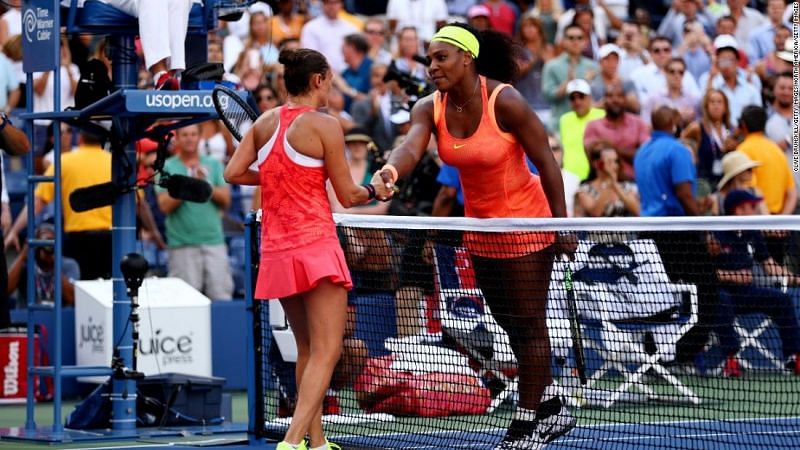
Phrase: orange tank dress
(495, 180)
(299, 246)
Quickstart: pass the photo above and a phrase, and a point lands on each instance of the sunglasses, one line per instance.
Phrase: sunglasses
(374, 31)
(48, 249)
(574, 97)
(675, 71)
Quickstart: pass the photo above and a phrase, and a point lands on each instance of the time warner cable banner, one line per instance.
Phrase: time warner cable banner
(174, 327)
(40, 36)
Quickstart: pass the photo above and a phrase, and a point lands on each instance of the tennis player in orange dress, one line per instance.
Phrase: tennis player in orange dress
(485, 128)
(296, 149)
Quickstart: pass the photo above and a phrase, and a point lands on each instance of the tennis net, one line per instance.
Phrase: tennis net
(684, 331)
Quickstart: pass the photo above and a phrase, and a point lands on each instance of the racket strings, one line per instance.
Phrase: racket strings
(237, 117)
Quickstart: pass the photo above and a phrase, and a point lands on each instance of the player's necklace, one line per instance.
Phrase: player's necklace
(461, 108)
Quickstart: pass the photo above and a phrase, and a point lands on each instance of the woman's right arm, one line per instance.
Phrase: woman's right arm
(406, 156)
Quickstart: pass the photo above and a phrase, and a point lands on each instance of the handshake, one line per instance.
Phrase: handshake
(382, 186)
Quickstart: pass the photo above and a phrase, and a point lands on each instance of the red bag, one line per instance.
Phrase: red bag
(381, 389)
(14, 366)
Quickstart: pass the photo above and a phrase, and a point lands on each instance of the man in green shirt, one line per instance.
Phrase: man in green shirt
(568, 66)
(197, 250)
(573, 124)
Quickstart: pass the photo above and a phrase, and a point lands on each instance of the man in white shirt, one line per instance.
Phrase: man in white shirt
(651, 79)
(779, 124)
(739, 86)
(747, 19)
(681, 13)
(426, 16)
(633, 54)
(604, 18)
(762, 39)
(326, 33)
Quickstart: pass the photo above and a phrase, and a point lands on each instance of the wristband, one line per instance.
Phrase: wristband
(392, 170)
(370, 191)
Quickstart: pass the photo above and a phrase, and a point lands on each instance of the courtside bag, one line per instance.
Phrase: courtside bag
(93, 85)
(381, 389)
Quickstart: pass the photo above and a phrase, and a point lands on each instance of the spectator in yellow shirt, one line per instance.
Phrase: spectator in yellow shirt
(773, 177)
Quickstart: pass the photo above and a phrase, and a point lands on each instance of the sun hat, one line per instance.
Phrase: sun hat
(733, 164)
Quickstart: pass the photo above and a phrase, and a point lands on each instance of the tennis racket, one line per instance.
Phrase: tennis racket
(233, 110)
(574, 324)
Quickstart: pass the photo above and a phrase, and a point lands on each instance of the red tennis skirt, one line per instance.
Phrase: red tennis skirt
(287, 273)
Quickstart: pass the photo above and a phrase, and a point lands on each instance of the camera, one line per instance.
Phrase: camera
(416, 88)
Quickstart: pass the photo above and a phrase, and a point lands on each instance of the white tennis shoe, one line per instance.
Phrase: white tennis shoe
(536, 434)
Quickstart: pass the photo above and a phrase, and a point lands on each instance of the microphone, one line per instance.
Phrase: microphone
(95, 196)
(186, 188)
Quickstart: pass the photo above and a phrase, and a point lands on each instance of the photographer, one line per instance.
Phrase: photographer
(633, 54)
(696, 49)
(408, 47)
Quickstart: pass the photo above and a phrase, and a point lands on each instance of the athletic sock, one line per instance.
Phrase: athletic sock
(523, 414)
(550, 391)
(321, 447)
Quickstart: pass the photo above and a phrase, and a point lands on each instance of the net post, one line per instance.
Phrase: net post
(255, 391)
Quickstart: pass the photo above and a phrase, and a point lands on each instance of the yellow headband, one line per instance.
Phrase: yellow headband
(459, 37)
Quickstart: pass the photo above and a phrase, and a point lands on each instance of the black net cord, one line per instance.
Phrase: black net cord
(260, 322)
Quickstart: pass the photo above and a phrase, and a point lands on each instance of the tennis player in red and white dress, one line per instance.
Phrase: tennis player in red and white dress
(296, 149)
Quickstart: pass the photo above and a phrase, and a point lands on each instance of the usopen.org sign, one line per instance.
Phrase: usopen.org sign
(151, 101)
(40, 25)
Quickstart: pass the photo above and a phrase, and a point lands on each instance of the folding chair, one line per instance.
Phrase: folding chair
(753, 336)
(640, 321)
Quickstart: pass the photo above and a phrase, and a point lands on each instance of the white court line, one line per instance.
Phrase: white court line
(631, 438)
(677, 436)
(604, 425)
(148, 445)
(673, 422)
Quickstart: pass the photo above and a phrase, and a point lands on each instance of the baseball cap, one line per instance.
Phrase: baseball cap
(738, 197)
(608, 49)
(400, 116)
(579, 85)
(262, 8)
(478, 11)
(725, 41)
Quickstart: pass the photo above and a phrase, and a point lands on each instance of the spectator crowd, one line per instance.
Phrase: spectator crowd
(653, 109)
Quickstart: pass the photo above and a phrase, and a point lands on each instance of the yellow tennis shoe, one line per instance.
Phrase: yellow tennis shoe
(283, 445)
